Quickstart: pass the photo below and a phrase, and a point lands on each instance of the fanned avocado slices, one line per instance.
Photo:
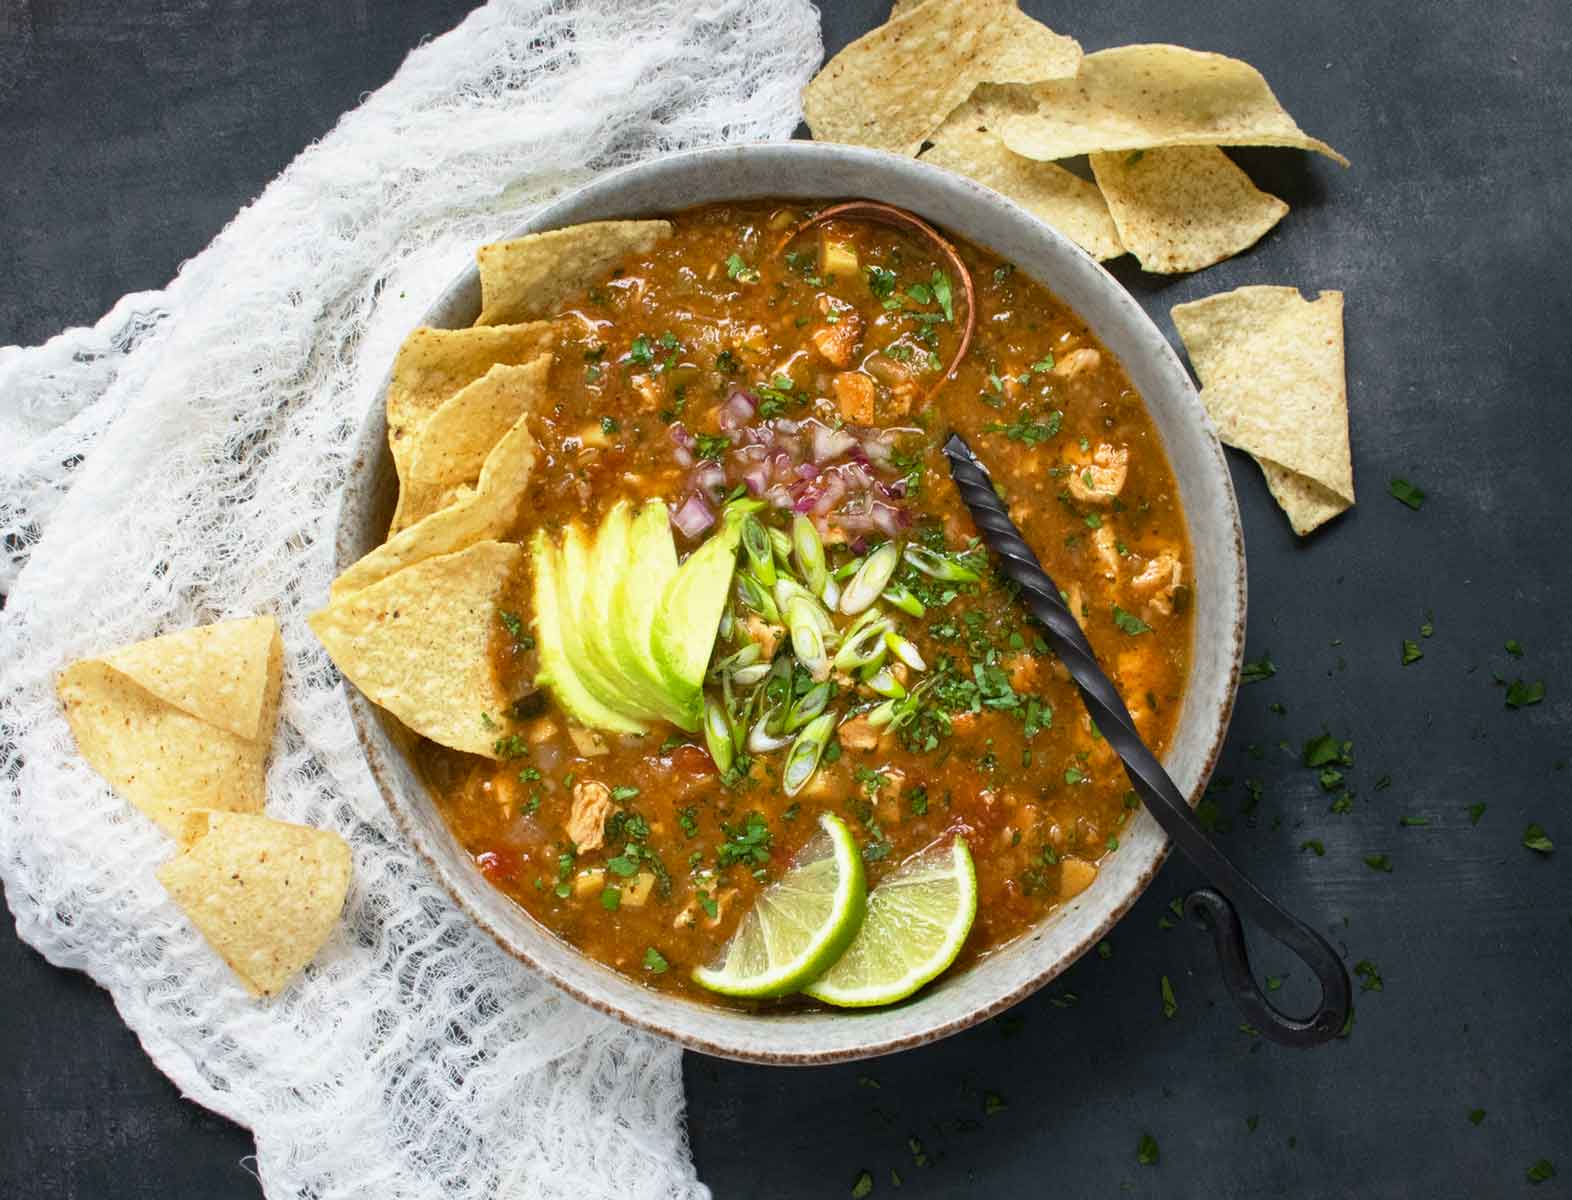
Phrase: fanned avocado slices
(556, 671)
(649, 567)
(691, 608)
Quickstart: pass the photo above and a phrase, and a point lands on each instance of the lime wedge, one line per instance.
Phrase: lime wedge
(800, 924)
(918, 919)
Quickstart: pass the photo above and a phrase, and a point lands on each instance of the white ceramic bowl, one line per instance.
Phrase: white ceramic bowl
(815, 171)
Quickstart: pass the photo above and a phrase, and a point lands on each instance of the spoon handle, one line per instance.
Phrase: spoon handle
(1218, 906)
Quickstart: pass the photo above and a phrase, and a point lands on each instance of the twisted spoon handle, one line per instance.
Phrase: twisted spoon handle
(1217, 906)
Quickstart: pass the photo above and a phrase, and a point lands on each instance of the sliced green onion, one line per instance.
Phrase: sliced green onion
(810, 553)
(831, 593)
(780, 541)
(870, 579)
(807, 639)
(939, 566)
(807, 706)
(862, 646)
(905, 599)
(905, 650)
(875, 664)
(717, 736)
(762, 741)
(727, 624)
(745, 657)
(750, 675)
(753, 595)
(761, 555)
(788, 590)
(846, 570)
(882, 714)
(802, 760)
(884, 683)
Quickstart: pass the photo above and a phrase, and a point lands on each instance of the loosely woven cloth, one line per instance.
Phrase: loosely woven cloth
(181, 462)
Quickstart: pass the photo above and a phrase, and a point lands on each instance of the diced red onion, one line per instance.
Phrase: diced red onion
(693, 517)
(807, 471)
(680, 435)
(887, 518)
(737, 410)
(683, 458)
(757, 478)
(710, 476)
(779, 496)
(829, 443)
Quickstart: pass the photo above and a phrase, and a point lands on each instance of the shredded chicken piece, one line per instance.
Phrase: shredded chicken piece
(837, 341)
(854, 395)
(1023, 671)
(1075, 876)
(1161, 577)
(587, 818)
(765, 636)
(1077, 362)
(1107, 550)
(1133, 671)
(587, 742)
(1100, 481)
(859, 734)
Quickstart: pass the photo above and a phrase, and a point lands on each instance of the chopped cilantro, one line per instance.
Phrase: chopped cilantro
(1413, 821)
(993, 1104)
(610, 425)
(611, 898)
(1411, 652)
(640, 351)
(1534, 838)
(1520, 694)
(1105, 949)
(712, 445)
(1129, 623)
(619, 794)
(1514, 648)
(748, 844)
(1045, 363)
(881, 282)
(1369, 976)
(1542, 1170)
(1401, 489)
(1251, 1122)
(1146, 1150)
(1378, 862)
(1026, 430)
(1170, 1005)
(1315, 846)
(655, 961)
(1475, 811)
(512, 746)
(1475, 1116)
(1255, 672)
(739, 270)
(726, 362)
(862, 1185)
(941, 293)
(1323, 749)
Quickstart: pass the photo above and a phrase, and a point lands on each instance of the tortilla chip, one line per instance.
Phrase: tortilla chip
(1184, 207)
(1307, 503)
(453, 443)
(432, 365)
(416, 643)
(530, 277)
(265, 894)
(159, 757)
(1142, 97)
(1272, 377)
(219, 673)
(1057, 197)
(480, 514)
(893, 87)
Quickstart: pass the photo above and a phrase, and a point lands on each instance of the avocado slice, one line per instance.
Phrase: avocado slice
(650, 565)
(691, 608)
(556, 669)
(610, 566)
(575, 581)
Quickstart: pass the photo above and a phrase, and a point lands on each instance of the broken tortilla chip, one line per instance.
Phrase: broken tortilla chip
(431, 366)
(1142, 97)
(164, 757)
(893, 87)
(1272, 378)
(452, 445)
(531, 276)
(265, 894)
(1184, 207)
(416, 643)
(1053, 195)
(475, 515)
(219, 673)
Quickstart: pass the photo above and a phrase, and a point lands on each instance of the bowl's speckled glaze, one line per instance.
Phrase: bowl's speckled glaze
(814, 171)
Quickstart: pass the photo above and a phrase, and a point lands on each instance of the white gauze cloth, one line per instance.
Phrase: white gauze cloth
(181, 462)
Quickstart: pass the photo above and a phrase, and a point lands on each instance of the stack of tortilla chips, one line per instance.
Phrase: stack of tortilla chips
(181, 726)
(1003, 99)
(411, 622)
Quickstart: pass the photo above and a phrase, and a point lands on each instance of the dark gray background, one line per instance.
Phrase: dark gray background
(130, 130)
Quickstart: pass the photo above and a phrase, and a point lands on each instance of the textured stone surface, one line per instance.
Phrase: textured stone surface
(130, 132)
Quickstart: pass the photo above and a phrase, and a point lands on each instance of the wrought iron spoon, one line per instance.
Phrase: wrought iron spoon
(1218, 906)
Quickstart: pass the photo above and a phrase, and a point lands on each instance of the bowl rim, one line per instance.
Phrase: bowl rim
(693, 1024)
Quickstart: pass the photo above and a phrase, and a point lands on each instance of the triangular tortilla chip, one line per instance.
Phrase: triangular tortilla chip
(480, 515)
(1307, 503)
(265, 894)
(893, 87)
(218, 673)
(433, 364)
(1142, 97)
(1184, 207)
(453, 443)
(159, 757)
(530, 277)
(1060, 198)
(416, 644)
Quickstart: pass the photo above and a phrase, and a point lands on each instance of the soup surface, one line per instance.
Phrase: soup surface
(734, 360)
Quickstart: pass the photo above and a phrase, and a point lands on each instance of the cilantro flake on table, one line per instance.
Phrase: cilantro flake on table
(1542, 1170)
(1520, 694)
(1378, 862)
(1315, 846)
(1146, 1152)
(1170, 1004)
(862, 1185)
(1369, 976)
(1411, 652)
(1514, 648)
(1407, 493)
(1475, 811)
(1475, 1116)
(1534, 838)
(1262, 668)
